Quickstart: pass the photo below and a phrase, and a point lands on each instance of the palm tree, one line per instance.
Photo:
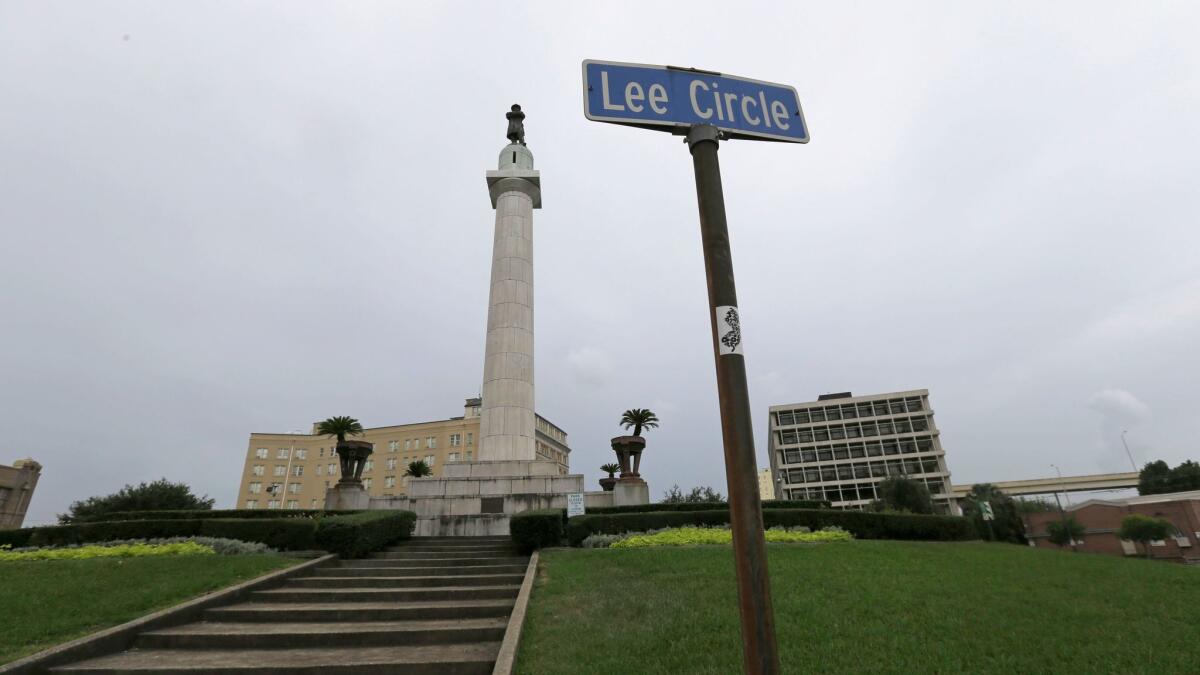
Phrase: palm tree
(340, 426)
(639, 418)
(418, 469)
(610, 469)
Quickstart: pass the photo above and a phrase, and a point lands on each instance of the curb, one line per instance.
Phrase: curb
(119, 638)
(516, 622)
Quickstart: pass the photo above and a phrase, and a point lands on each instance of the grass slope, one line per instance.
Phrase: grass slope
(47, 602)
(866, 606)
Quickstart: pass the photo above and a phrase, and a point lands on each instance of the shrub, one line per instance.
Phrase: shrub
(279, 533)
(691, 536)
(284, 534)
(705, 506)
(194, 514)
(358, 534)
(118, 551)
(861, 524)
(161, 494)
(536, 529)
(1145, 529)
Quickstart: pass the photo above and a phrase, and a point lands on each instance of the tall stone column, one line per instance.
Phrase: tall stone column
(506, 428)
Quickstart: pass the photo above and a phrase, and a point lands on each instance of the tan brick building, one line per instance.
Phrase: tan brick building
(16, 491)
(292, 471)
(1101, 518)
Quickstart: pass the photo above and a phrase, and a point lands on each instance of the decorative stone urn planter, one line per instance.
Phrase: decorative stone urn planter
(629, 454)
(352, 456)
(608, 483)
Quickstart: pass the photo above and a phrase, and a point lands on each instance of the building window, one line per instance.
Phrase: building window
(453, 457)
(273, 504)
(470, 438)
(429, 460)
(370, 464)
(389, 482)
(293, 504)
(312, 504)
(455, 440)
(252, 503)
(468, 455)
(393, 446)
(407, 444)
(280, 470)
(430, 442)
(261, 453)
(321, 453)
(255, 488)
(391, 464)
(294, 488)
(320, 469)
(259, 469)
(282, 454)
(367, 483)
(301, 454)
(332, 469)
(297, 470)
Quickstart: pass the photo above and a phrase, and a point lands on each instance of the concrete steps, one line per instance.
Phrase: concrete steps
(424, 607)
(458, 659)
(222, 635)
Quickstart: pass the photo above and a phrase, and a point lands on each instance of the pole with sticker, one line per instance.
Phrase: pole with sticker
(741, 465)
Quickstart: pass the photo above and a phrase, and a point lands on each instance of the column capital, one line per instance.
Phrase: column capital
(515, 180)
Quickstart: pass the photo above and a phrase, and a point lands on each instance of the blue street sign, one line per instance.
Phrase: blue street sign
(669, 98)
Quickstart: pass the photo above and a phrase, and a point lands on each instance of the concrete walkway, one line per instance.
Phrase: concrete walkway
(430, 605)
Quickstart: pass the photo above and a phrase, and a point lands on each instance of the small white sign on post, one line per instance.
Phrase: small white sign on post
(575, 504)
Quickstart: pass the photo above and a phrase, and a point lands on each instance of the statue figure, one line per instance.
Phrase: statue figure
(516, 125)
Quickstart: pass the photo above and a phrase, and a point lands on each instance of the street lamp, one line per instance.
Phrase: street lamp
(1061, 513)
(1130, 454)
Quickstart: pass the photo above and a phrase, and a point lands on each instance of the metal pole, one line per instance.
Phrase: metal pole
(1129, 454)
(1066, 493)
(1061, 513)
(760, 653)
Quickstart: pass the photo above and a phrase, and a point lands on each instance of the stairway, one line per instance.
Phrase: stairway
(429, 605)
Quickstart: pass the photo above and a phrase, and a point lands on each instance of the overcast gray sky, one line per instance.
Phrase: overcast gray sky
(220, 218)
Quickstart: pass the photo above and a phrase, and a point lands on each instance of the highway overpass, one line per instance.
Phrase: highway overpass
(1045, 486)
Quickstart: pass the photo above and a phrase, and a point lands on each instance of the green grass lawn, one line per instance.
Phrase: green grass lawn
(44, 603)
(865, 607)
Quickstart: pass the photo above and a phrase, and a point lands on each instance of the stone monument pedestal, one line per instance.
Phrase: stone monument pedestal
(474, 499)
(629, 491)
(347, 496)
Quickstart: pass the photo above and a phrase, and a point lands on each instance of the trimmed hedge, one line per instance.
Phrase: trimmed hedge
(861, 524)
(705, 506)
(221, 513)
(351, 535)
(278, 533)
(356, 535)
(535, 529)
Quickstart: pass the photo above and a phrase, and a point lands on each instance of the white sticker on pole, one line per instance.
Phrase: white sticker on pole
(729, 331)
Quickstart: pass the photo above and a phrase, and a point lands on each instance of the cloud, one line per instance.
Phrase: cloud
(590, 365)
(1118, 405)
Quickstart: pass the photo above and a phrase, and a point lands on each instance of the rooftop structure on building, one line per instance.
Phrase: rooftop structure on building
(840, 447)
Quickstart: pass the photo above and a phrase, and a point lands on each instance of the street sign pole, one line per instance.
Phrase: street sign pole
(760, 652)
(709, 107)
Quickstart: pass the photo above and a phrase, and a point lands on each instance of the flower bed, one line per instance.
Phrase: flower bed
(698, 536)
(118, 551)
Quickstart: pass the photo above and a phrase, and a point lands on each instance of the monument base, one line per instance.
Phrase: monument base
(473, 499)
(630, 491)
(347, 496)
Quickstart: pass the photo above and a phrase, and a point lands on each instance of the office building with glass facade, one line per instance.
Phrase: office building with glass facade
(840, 447)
